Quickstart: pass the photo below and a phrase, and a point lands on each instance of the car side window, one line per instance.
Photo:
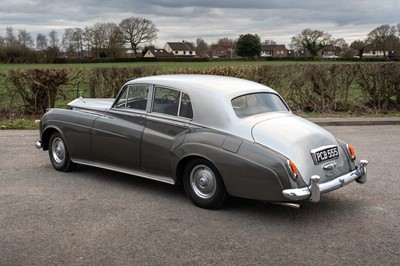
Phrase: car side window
(166, 101)
(133, 97)
(186, 106)
(169, 101)
(257, 103)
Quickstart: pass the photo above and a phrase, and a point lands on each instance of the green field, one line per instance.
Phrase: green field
(166, 65)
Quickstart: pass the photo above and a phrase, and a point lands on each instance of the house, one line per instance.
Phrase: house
(328, 52)
(275, 50)
(222, 50)
(180, 48)
(291, 53)
(375, 53)
(302, 53)
(158, 53)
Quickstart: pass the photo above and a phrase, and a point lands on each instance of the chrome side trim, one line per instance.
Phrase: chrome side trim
(127, 170)
(315, 189)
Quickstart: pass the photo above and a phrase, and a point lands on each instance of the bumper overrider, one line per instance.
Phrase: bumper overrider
(314, 190)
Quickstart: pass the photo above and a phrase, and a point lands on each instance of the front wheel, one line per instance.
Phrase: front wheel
(59, 155)
(204, 185)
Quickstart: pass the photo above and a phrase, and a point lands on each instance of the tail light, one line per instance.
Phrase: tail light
(351, 151)
(294, 173)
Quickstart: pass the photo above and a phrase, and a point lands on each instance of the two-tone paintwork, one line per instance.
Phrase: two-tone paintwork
(251, 154)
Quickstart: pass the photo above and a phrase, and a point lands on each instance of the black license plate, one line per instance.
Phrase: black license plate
(325, 154)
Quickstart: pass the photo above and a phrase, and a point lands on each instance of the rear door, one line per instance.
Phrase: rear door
(116, 137)
(165, 128)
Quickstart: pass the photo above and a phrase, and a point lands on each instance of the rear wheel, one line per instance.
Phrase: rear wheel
(59, 155)
(204, 184)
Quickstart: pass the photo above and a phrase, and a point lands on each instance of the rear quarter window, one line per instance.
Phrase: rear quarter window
(258, 103)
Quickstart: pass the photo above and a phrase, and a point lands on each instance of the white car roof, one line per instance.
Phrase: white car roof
(207, 84)
(211, 98)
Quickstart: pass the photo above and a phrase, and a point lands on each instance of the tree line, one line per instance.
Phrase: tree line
(383, 38)
(102, 40)
(111, 40)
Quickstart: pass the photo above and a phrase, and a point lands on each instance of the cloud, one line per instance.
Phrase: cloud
(177, 20)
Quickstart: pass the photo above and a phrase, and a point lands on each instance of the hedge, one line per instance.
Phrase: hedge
(323, 88)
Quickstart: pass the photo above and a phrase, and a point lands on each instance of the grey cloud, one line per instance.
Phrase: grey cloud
(209, 19)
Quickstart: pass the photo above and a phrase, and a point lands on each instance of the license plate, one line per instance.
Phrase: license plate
(325, 153)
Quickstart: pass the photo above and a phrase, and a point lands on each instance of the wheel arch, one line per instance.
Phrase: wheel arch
(180, 168)
(46, 136)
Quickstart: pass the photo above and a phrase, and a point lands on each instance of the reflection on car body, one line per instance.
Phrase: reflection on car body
(219, 136)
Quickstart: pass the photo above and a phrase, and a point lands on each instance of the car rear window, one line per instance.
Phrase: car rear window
(257, 103)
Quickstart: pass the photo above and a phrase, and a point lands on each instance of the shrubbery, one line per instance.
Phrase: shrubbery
(324, 88)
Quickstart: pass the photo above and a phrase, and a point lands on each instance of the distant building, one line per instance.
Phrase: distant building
(158, 53)
(328, 52)
(275, 50)
(180, 48)
(222, 51)
(374, 53)
(302, 53)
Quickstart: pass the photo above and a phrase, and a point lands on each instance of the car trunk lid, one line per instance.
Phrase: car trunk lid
(296, 138)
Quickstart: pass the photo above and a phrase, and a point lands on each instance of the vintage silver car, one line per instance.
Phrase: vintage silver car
(218, 136)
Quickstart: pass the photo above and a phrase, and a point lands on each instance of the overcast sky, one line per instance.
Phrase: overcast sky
(188, 20)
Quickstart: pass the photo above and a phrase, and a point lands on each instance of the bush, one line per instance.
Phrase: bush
(106, 82)
(38, 88)
(322, 88)
(381, 82)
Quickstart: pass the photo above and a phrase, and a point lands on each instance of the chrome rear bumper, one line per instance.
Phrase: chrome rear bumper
(38, 144)
(314, 190)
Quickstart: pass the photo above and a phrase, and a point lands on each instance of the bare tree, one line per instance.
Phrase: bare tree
(53, 49)
(137, 31)
(312, 40)
(115, 41)
(360, 46)
(201, 47)
(226, 41)
(72, 42)
(2, 42)
(88, 41)
(41, 42)
(68, 42)
(78, 39)
(99, 38)
(381, 37)
(25, 39)
(54, 42)
(269, 42)
(10, 39)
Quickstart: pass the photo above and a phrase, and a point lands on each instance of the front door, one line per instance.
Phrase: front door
(116, 137)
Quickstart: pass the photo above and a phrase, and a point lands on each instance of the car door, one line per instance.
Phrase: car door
(165, 128)
(116, 137)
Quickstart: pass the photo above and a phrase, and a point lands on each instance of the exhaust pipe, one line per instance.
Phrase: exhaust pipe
(289, 204)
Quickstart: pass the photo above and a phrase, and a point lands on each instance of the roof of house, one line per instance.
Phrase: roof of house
(328, 47)
(271, 47)
(160, 53)
(221, 46)
(181, 46)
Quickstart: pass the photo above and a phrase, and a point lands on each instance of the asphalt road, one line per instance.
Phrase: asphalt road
(97, 217)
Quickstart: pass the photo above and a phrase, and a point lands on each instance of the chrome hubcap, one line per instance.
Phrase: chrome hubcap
(58, 151)
(203, 181)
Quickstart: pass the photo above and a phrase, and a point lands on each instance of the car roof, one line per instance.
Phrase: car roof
(210, 97)
(206, 84)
